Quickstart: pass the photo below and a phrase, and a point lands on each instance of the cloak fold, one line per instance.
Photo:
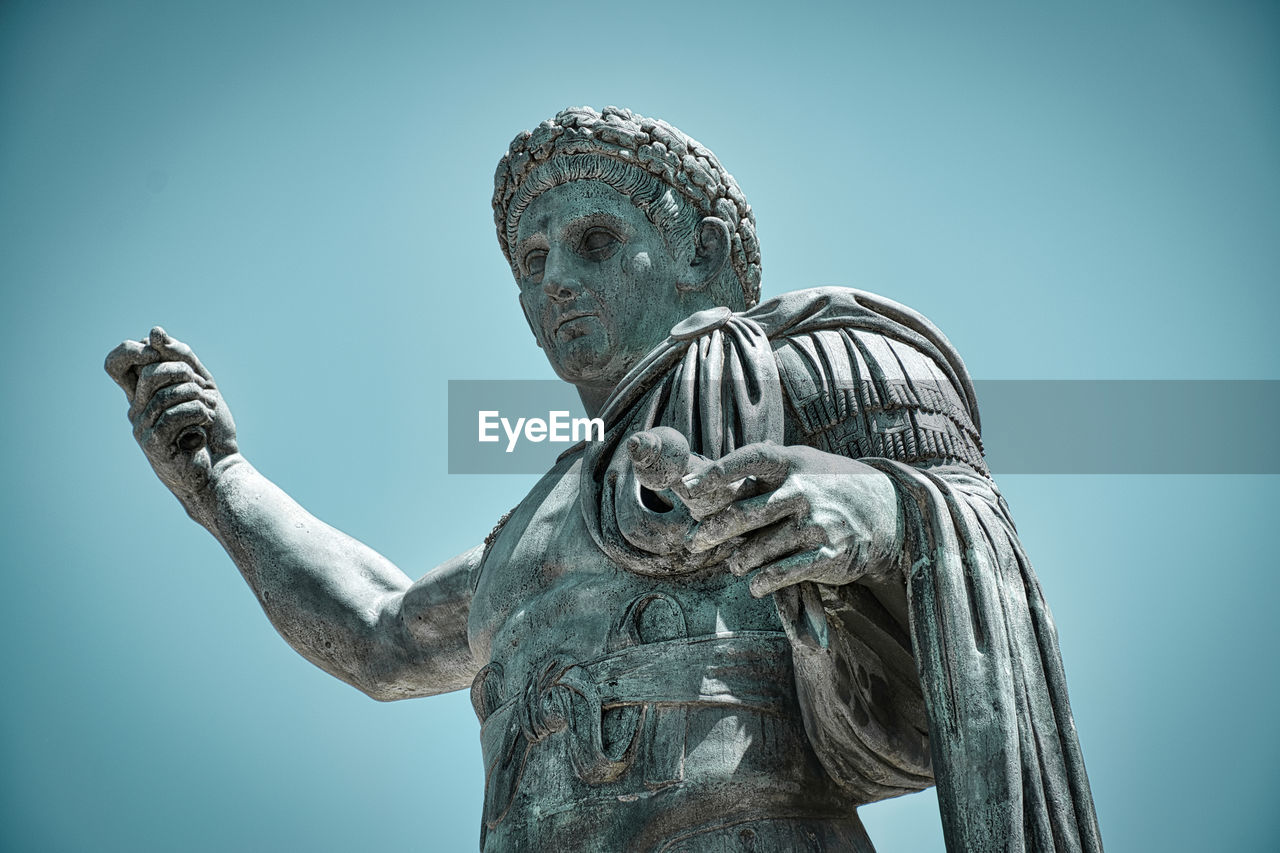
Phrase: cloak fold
(947, 671)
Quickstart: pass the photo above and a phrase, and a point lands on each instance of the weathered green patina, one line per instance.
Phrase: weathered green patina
(783, 585)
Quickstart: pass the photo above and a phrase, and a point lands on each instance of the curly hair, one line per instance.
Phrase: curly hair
(672, 178)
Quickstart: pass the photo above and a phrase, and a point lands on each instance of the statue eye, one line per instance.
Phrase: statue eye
(599, 243)
(535, 262)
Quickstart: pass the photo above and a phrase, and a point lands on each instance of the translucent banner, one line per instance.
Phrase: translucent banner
(1028, 426)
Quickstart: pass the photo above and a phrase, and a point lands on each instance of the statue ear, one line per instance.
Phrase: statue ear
(711, 252)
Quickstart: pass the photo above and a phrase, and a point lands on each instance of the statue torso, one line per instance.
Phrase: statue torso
(629, 711)
(699, 736)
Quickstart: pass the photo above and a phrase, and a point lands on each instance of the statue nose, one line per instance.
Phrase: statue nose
(559, 278)
(559, 289)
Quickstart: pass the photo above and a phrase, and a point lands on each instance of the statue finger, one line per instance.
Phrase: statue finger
(782, 540)
(660, 456)
(711, 492)
(745, 516)
(174, 348)
(806, 566)
(174, 421)
(168, 397)
(763, 461)
(124, 362)
(153, 377)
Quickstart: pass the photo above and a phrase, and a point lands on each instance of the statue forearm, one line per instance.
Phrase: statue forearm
(339, 603)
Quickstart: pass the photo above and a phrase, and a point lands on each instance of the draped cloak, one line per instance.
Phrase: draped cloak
(944, 671)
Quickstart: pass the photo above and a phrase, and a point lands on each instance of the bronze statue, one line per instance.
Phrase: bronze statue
(783, 584)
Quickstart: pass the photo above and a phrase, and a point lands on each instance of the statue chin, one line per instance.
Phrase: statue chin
(585, 358)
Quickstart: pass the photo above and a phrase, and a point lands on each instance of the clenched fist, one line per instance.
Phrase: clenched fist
(179, 418)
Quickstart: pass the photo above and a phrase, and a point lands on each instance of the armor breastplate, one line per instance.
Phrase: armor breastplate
(620, 729)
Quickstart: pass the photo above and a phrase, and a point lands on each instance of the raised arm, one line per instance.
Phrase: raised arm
(339, 603)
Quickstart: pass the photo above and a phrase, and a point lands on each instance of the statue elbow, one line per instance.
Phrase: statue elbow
(381, 686)
(384, 692)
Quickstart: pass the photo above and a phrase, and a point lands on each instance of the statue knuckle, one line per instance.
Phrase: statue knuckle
(171, 417)
(181, 370)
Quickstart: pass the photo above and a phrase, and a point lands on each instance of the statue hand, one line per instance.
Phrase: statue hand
(663, 463)
(179, 418)
(811, 516)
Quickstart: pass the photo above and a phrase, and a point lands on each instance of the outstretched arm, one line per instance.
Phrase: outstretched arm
(339, 603)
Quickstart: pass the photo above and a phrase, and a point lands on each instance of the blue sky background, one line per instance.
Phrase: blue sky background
(1085, 192)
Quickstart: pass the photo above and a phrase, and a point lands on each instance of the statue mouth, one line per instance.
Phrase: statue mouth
(566, 328)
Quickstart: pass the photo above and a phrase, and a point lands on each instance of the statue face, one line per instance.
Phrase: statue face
(597, 281)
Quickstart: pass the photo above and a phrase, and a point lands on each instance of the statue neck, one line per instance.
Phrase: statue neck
(593, 397)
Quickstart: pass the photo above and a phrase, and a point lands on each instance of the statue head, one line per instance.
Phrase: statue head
(616, 227)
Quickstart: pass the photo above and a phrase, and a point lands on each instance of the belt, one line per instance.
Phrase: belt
(652, 683)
